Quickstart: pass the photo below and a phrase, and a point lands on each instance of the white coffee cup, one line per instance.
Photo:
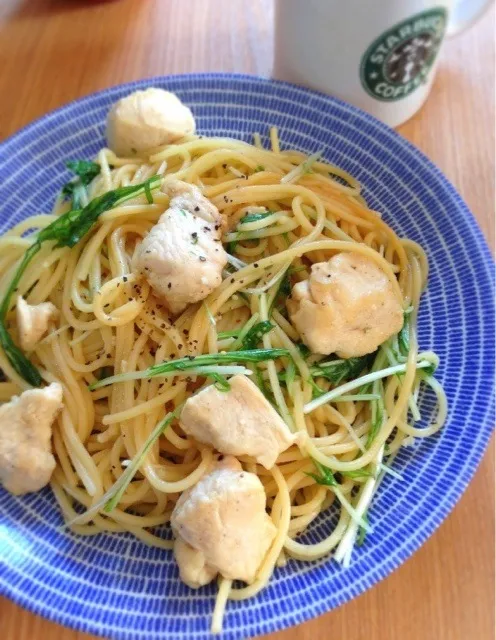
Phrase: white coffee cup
(380, 56)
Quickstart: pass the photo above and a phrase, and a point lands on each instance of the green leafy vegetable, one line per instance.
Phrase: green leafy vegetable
(115, 493)
(377, 418)
(249, 217)
(338, 370)
(290, 374)
(264, 387)
(282, 292)
(68, 230)
(85, 171)
(362, 532)
(15, 356)
(303, 349)
(404, 334)
(220, 382)
(305, 167)
(256, 333)
(222, 335)
(18, 360)
(430, 370)
(258, 168)
(316, 390)
(255, 217)
(361, 382)
(358, 473)
(190, 363)
(231, 247)
(65, 231)
(324, 476)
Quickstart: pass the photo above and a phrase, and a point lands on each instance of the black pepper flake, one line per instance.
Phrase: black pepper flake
(130, 299)
(109, 355)
(169, 285)
(203, 259)
(186, 332)
(180, 346)
(197, 208)
(256, 265)
(207, 229)
(225, 199)
(217, 227)
(162, 326)
(224, 166)
(232, 280)
(124, 278)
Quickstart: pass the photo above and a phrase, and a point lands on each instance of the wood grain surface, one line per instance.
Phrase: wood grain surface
(52, 51)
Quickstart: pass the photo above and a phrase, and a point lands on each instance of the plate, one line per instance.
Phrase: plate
(116, 586)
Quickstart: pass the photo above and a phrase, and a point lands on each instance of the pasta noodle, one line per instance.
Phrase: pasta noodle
(110, 323)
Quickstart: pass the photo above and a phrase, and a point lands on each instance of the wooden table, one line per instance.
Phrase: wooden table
(52, 51)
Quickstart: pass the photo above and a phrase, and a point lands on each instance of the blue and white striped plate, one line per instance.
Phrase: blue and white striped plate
(118, 587)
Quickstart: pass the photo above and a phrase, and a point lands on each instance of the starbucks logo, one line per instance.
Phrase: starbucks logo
(399, 60)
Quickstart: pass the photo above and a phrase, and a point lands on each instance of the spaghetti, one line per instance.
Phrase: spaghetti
(120, 451)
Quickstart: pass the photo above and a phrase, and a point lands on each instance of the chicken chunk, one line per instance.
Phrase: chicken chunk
(239, 422)
(33, 321)
(182, 256)
(221, 526)
(26, 461)
(192, 565)
(347, 306)
(147, 119)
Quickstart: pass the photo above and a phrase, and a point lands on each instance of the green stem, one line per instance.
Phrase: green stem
(26, 259)
(192, 363)
(353, 384)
